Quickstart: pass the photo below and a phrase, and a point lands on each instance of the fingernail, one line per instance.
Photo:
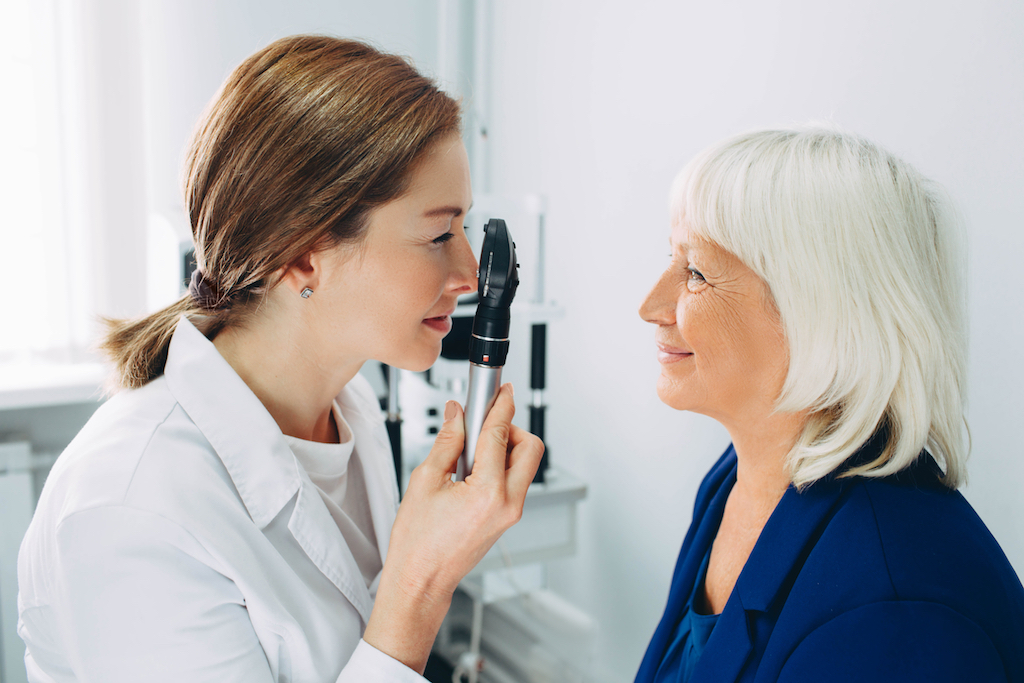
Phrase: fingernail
(449, 410)
(511, 390)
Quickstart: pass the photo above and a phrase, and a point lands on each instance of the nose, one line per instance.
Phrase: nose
(659, 306)
(463, 276)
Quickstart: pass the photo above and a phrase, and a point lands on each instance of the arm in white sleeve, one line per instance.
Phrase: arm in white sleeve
(134, 601)
(370, 665)
(138, 598)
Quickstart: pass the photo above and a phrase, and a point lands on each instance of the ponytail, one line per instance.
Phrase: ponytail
(138, 347)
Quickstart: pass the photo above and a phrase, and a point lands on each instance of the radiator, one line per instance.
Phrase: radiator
(17, 500)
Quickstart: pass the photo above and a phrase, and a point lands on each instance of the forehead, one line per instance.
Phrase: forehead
(686, 239)
(442, 174)
(708, 254)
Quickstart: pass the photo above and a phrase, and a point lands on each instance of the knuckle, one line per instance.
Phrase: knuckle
(514, 514)
(445, 444)
(415, 476)
(491, 506)
(445, 436)
(500, 434)
(420, 475)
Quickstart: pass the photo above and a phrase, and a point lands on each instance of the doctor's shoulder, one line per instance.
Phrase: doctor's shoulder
(139, 451)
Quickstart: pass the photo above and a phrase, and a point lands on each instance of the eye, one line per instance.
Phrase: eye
(443, 238)
(695, 280)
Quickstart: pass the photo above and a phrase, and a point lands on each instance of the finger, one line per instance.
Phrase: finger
(444, 455)
(524, 459)
(489, 459)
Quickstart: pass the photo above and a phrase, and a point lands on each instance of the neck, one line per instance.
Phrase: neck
(295, 384)
(762, 446)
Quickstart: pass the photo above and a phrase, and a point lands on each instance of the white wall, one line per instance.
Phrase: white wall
(597, 105)
(190, 46)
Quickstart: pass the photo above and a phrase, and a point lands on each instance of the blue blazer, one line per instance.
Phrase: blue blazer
(856, 579)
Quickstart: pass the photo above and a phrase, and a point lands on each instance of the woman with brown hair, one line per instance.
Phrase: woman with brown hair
(230, 514)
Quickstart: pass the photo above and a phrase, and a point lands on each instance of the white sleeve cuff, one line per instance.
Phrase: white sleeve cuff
(370, 665)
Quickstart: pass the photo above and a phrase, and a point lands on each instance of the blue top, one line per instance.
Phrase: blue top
(892, 580)
(691, 636)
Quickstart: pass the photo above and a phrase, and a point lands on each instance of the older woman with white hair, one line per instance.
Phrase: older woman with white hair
(814, 305)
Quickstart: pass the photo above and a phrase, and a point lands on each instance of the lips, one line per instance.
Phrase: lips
(441, 323)
(446, 314)
(672, 354)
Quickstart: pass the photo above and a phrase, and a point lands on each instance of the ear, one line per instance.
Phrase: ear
(303, 272)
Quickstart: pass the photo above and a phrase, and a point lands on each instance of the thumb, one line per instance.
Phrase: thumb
(450, 440)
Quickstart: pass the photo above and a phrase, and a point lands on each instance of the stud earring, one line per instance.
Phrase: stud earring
(306, 293)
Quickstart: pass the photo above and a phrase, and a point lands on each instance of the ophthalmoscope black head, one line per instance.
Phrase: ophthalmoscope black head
(499, 277)
(488, 345)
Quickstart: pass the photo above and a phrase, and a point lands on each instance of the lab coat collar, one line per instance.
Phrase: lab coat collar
(372, 447)
(332, 556)
(263, 468)
(238, 426)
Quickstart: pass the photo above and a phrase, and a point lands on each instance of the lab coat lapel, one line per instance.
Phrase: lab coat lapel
(373, 449)
(311, 523)
(317, 533)
(261, 465)
(244, 435)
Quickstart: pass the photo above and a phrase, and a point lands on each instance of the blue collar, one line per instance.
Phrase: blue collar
(781, 550)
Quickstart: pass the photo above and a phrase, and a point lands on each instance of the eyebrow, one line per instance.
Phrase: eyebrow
(453, 211)
(685, 246)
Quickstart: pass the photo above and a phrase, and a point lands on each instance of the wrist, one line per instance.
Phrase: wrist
(405, 620)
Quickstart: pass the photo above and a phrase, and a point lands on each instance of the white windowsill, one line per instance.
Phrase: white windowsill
(35, 382)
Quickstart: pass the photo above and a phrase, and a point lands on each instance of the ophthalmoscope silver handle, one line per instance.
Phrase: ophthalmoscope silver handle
(484, 383)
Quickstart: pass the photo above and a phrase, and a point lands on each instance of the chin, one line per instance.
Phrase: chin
(418, 366)
(671, 401)
(674, 396)
(418, 360)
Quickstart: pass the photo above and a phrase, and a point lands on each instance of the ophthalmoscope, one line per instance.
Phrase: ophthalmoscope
(488, 346)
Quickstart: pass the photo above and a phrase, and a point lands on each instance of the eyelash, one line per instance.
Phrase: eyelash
(443, 238)
(695, 274)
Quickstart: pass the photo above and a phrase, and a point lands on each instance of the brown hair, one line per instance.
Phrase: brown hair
(304, 138)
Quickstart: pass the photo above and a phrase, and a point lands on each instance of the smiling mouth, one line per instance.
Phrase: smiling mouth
(671, 354)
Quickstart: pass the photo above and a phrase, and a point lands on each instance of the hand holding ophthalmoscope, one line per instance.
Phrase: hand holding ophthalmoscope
(444, 528)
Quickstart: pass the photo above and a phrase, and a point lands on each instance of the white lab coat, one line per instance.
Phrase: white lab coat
(177, 539)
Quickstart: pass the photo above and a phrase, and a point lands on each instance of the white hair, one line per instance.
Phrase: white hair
(864, 259)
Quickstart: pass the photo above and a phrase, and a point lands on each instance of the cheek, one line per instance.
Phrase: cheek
(702, 323)
(744, 352)
(405, 290)
(721, 336)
